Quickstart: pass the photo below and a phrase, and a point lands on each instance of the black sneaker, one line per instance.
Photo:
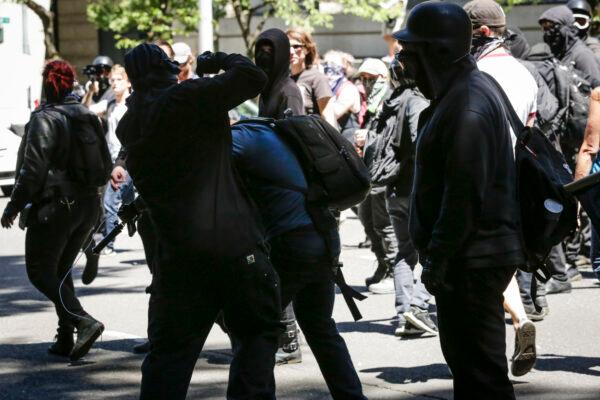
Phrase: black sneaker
(91, 268)
(142, 348)
(405, 328)
(88, 331)
(63, 344)
(525, 354)
(554, 286)
(532, 313)
(421, 319)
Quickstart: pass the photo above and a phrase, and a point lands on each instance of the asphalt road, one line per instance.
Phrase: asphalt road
(568, 366)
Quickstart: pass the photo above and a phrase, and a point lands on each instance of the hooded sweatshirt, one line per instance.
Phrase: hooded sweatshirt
(178, 144)
(566, 45)
(281, 91)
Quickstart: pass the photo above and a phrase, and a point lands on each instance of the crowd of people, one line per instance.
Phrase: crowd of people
(228, 226)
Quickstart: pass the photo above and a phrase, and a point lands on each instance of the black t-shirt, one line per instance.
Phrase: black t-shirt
(178, 144)
(313, 85)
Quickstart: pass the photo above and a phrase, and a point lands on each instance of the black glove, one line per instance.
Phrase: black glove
(207, 63)
(8, 216)
(434, 275)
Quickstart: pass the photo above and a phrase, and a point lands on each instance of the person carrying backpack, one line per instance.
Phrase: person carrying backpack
(63, 162)
(301, 251)
(561, 35)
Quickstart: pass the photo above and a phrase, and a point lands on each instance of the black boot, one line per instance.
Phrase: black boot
(91, 265)
(378, 275)
(64, 342)
(88, 330)
(289, 351)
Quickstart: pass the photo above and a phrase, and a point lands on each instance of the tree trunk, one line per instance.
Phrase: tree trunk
(47, 18)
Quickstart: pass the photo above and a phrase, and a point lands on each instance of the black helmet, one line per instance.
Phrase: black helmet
(580, 6)
(441, 23)
(104, 61)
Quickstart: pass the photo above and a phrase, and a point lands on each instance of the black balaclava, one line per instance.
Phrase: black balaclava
(147, 66)
(563, 35)
(277, 64)
(517, 43)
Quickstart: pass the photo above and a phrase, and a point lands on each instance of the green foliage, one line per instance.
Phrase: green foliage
(162, 19)
(136, 21)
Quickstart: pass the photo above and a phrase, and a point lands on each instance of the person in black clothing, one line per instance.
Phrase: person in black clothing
(280, 98)
(562, 37)
(464, 212)
(63, 210)
(211, 255)
(301, 254)
(272, 55)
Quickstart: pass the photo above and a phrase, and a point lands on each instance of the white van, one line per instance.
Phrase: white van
(22, 54)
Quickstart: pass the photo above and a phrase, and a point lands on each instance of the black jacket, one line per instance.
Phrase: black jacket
(44, 154)
(464, 202)
(389, 152)
(281, 92)
(178, 145)
(576, 51)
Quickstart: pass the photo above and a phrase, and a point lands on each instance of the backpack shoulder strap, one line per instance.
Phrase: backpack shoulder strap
(513, 118)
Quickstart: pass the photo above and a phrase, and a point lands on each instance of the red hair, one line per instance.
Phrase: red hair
(59, 77)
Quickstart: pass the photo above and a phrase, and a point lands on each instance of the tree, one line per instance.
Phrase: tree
(136, 21)
(162, 18)
(47, 18)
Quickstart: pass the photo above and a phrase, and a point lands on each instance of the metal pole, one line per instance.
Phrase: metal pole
(205, 27)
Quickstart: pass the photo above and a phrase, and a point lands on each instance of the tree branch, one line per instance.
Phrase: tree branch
(47, 18)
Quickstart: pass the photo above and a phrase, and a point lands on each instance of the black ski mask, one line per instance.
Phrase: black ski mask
(555, 38)
(265, 58)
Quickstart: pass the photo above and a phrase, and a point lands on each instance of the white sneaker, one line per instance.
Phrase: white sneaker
(384, 286)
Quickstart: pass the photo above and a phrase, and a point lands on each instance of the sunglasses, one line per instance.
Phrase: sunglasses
(297, 46)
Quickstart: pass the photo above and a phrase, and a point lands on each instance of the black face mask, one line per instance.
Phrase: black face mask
(555, 39)
(264, 61)
(415, 72)
(479, 44)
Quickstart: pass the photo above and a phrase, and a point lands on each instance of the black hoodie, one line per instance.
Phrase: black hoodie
(281, 91)
(573, 50)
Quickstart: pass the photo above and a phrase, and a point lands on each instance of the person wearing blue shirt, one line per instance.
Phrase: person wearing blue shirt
(275, 181)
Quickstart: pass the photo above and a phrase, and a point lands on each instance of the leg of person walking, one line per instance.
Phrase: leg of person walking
(473, 335)
(412, 298)
(382, 227)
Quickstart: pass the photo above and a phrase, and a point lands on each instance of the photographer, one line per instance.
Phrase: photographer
(211, 255)
(97, 90)
(65, 208)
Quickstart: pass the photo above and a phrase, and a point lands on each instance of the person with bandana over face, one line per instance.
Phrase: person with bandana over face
(372, 212)
(346, 100)
(211, 253)
(582, 13)
(464, 212)
(272, 55)
(562, 36)
(493, 57)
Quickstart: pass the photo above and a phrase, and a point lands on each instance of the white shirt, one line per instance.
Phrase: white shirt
(518, 83)
(114, 116)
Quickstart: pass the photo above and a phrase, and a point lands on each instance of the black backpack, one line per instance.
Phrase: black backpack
(548, 213)
(336, 175)
(89, 163)
(572, 90)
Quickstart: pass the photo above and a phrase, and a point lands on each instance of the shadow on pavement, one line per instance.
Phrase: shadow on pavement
(18, 296)
(575, 364)
(403, 375)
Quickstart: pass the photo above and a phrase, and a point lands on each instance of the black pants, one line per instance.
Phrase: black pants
(557, 263)
(149, 240)
(51, 248)
(300, 258)
(180, 318)
(472, 333)
(374, 216)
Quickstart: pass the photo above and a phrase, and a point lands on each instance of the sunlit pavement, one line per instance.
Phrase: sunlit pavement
(390, 368)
